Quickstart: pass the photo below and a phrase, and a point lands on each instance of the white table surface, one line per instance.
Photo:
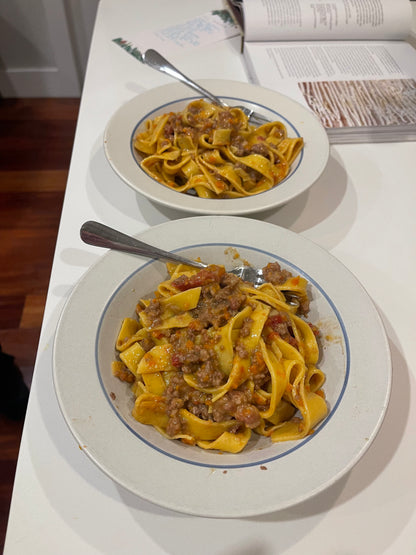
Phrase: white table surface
(362, 210)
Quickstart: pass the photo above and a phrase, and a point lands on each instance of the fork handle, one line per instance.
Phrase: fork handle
(100, 235)
(155, 60)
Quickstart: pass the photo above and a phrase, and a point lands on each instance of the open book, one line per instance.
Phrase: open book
(346, 60)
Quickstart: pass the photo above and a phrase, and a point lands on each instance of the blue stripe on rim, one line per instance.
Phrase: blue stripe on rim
(257, 462)
(278, 117)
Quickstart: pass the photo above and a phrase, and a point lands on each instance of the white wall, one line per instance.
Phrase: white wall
(44, 46)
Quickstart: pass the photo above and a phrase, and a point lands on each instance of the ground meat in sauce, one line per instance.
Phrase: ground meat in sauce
(251, 173)
(241, 351)
(206, 276)
(303, 309)
(180, 395)
(280, 324)
(124, 374)
(240, 147)
(196, 123)
(199, 124)
(220, 301)
(154, 312)
(260, 148)
(226, 121)
(199, 360)
(246, 327)
(194, 350)
(209, 374)
(273, 273)
(147, 343)
(261, 378)
(236, 404)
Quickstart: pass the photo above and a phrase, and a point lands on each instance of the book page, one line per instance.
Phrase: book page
(282, 20)
(346, 84)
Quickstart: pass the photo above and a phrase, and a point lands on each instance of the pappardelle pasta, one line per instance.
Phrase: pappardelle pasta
(211, 359)
(214, 152)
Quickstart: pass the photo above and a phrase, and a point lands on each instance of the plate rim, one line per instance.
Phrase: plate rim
(119, 130)
(83, 437)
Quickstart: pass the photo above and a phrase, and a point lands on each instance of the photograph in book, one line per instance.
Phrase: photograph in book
(362, 103)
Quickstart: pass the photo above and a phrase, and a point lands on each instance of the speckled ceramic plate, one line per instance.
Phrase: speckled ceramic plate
(264, 477)
(125, 123)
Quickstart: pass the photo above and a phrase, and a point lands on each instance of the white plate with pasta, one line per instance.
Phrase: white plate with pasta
(180, 151)
(320, 401)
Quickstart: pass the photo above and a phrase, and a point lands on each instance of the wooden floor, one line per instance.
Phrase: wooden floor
(36, 138)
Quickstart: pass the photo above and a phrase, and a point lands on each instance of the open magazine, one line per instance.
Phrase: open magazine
(346, 60)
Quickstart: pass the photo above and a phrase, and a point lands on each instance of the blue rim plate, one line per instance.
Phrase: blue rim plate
(130, 117)
(265, 477)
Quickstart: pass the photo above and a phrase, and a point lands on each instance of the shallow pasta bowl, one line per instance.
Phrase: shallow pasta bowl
(265, 476)
(300, 122)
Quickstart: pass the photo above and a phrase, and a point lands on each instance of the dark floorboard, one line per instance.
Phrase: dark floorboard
(36, 137)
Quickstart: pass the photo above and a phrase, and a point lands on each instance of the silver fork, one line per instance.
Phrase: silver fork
(155, 60)
(100, 235)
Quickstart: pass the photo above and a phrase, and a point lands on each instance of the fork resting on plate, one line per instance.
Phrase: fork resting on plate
(155, 60)
(100, 235)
